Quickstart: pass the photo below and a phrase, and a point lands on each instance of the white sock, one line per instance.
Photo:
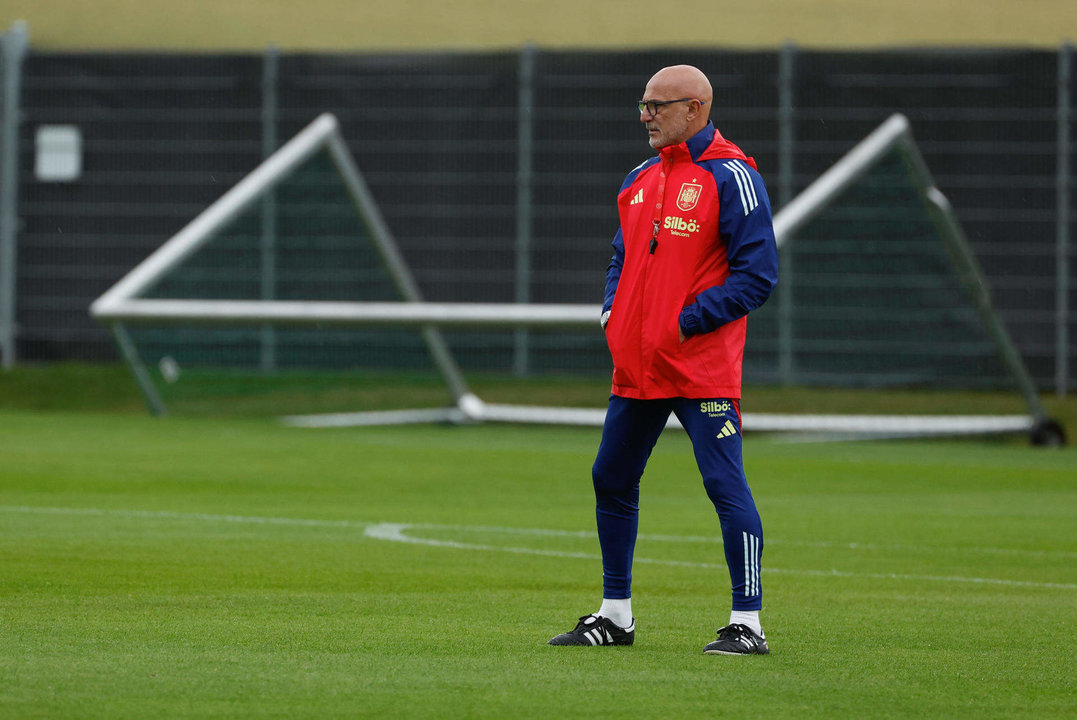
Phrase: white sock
(749, 618)
(619, 611)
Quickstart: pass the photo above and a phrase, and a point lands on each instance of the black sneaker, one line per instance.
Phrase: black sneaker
(737, 639)
(596, 630)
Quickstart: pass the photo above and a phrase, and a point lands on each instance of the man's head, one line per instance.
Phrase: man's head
(670, 123)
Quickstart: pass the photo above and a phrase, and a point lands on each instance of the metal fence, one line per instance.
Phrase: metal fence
(497, 171)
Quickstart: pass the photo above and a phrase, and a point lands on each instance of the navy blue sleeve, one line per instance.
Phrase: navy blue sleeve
(613, 272)
(746, 226)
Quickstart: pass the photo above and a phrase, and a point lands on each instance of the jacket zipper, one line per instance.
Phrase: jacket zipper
(664, 169)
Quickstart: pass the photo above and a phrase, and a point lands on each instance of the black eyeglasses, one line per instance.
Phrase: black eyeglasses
(651, 106)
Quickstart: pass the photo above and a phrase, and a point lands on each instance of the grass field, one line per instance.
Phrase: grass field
(208, 567)
(225, 566)
(110, 388)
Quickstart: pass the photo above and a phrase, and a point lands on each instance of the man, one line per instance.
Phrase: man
(695, 253)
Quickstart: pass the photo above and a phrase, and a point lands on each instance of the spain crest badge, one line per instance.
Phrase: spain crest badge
(688, 196)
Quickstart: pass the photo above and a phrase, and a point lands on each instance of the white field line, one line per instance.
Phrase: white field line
(395, 532)
(717, 539)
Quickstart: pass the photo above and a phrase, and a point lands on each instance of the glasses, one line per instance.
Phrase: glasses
(651, 106)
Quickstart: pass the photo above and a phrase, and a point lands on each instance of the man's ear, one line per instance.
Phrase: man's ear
(694, 108)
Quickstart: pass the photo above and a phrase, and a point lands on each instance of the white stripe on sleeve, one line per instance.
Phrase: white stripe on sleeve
(748, 197)
(751, 183)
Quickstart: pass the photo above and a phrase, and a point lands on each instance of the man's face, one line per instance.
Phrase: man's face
(668, 125)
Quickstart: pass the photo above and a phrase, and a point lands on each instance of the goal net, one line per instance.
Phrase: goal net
(293, 280)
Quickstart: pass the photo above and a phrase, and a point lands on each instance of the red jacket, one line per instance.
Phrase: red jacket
(713, 260)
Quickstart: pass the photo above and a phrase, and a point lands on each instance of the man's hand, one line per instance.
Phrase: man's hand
(680, 332)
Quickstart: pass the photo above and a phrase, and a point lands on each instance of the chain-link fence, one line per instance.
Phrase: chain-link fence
(497, 172)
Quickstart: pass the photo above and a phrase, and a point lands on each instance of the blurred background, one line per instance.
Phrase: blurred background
(494, 137)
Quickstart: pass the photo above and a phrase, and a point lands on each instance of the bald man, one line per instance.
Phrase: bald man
(694, 254)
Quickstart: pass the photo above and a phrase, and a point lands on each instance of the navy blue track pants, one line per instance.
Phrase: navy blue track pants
(630, 432)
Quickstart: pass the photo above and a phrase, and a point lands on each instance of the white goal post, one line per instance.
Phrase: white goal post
(122, 304)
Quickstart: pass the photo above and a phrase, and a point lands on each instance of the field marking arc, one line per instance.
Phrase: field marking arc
(716, 539)
(395, 532)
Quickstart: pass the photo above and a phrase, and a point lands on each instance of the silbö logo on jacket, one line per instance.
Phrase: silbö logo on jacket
(680, 227)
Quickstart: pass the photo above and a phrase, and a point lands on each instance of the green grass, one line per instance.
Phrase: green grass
(110, 388)
(207, 567)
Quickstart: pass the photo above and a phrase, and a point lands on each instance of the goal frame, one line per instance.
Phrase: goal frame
(122, 305)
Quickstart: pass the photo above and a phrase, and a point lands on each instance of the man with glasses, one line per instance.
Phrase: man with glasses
(694, 254)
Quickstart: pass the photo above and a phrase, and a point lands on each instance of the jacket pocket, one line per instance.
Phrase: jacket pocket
(624, 352)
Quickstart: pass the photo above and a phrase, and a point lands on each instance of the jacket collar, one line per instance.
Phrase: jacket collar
(698, 143)
(692, 147)
(707, 144)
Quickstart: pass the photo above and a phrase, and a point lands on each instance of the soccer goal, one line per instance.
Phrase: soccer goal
(220, 280)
